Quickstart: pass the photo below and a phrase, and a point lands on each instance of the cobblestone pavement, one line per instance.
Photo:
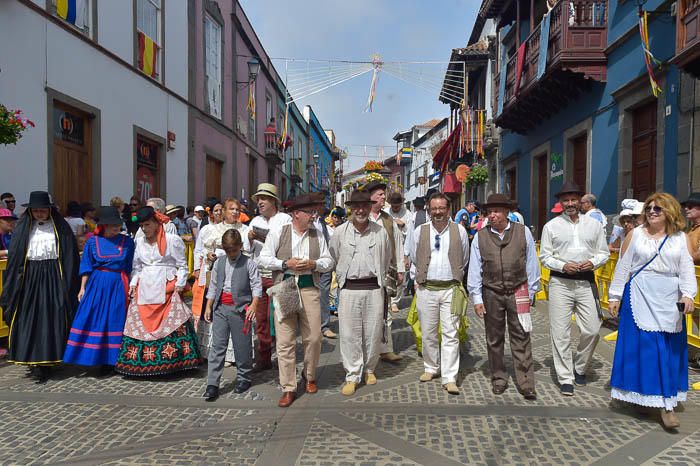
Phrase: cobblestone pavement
(79, 418)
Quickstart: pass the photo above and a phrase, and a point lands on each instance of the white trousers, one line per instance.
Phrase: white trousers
(361, 327)
(436, 307)
(568, 296)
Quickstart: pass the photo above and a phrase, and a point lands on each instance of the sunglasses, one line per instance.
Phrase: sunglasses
(8, 201)
(437, 242)
(656, 209)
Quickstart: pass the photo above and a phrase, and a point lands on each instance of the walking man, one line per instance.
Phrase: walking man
(270, 218)
(297, 250)
(377, 192)
(503, 277)
(440, 252)
(572, 247)
(362, 252)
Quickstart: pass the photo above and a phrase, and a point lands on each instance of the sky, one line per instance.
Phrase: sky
(397, 30)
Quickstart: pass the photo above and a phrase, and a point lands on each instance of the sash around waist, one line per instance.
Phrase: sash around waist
(361, 284)
(587, 276)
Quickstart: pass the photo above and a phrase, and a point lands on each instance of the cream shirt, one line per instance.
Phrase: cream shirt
(440, 268)
(565, 241)
(300, 249)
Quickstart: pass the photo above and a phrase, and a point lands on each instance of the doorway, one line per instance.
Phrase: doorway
(644, 151)
(72, 178)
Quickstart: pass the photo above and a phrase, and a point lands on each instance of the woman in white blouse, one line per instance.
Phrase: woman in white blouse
(41, 286)
(653, 287)
(159, 337)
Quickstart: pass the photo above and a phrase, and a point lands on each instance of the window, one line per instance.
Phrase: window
(212, 65)
(252, 114)
(148, 31)
(268, 109)
(77, 13)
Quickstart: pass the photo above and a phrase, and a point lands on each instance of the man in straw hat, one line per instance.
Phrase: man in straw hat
(362, 252)
(296, 250)
(377, 192)
(440, 251)
(503, 277)
(270, 218)
(572, 247)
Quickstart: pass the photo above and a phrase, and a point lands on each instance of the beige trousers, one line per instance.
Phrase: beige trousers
(309, 323)
(361, 324)
(568, 296)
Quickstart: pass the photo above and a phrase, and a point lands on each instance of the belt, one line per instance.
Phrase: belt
(587, 276)
(361, 284)
(227, 298)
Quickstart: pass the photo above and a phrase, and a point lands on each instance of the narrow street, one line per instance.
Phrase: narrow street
(79, 419)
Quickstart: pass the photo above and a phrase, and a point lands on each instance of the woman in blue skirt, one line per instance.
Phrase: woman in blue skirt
(653, 288)
(96, 335)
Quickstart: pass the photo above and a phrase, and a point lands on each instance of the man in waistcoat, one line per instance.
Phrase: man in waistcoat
(377, 192)
(362, 251)
(296, 249)
(503, 277)
(233, 295)
(572, 247)
(440, 251)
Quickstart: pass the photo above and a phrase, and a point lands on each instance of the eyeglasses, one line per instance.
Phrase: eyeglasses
(309, 212)
(656, 209)
(437, 242)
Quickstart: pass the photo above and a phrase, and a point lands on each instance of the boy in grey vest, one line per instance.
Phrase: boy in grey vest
(234, 291)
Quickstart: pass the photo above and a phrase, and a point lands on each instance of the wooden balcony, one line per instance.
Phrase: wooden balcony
(688, 37)
(575, 56)
(273, 151)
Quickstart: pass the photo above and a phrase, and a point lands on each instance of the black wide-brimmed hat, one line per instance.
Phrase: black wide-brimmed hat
(569, 187)
(305, 200)
(143, 214)
(108, 215)
(395, 199)
(359, 197)
(419, 201)
(39, 200)
(693, 199)
(498, 200)
(373, 185)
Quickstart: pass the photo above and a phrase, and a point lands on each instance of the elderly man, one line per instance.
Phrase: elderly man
(440, 251)
(270, 218)
(588, 207)
(404, 221)
(377, 192)
(362, 252)
(297, 250)
(503, 277)
(572, 247)
(692, 212)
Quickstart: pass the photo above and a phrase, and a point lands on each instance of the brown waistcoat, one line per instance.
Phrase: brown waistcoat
(424, 249)
(284, 250)
(503, 262)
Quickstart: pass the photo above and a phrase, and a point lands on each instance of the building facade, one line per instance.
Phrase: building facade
(320, 170)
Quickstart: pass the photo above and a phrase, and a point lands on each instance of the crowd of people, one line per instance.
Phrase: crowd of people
(104, 288)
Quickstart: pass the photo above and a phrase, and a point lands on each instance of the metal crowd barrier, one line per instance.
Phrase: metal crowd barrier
(189, 254)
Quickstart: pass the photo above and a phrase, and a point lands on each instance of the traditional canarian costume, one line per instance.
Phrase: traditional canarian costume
(96, 335)
(41, 286)
(159, 337)
(650, 367)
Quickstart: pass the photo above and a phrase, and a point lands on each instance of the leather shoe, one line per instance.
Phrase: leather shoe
(499, 389)
(391, 357)
(212, 393)
(328, 333)
(530, 394)
(287, 399)
(241, 387)
(311, 387)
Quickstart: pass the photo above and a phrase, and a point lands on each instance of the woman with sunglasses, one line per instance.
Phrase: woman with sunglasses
(653, 288)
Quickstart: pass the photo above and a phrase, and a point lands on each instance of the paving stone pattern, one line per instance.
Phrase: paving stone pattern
(80, 418)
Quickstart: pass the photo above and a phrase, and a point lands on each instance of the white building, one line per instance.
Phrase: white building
(424, 139)
(103, 126)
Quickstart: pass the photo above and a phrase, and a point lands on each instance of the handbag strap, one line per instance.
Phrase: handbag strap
(650, 260)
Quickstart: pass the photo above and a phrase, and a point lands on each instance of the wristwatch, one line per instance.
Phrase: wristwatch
(284, 266)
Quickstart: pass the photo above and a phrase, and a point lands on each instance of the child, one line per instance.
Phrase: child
(233, 295)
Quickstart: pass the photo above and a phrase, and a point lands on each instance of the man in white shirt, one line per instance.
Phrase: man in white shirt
(270, 218)
(440, 251)
(504, 275)
(297, 250)
(572, 247)
(588, 207)
(377, 192)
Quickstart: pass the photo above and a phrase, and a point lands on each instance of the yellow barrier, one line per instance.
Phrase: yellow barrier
(4, 329)
(189, 254)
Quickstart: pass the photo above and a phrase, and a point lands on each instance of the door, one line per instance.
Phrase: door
(580, 145)
(644, 151)
(72, 156)
(213, 180)
(511, 183)
(542, 200)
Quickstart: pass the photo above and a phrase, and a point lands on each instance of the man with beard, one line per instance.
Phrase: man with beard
(270, 218)
(377, 191)
(296, 250)
(362, 251)
(572, 247)
(440, 251)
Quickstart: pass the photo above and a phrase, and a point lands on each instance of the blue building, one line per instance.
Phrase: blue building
(587, 112)
(321, 154)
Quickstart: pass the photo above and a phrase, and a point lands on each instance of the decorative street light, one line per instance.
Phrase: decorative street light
(253, 68)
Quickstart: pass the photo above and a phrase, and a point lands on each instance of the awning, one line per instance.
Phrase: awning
(448, 150)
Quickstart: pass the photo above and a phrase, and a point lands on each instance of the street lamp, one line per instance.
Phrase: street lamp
(253, 68)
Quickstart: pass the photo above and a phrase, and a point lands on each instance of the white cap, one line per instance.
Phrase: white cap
(628, 204)
(626, 213)
(199, 208)
(637, 209)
